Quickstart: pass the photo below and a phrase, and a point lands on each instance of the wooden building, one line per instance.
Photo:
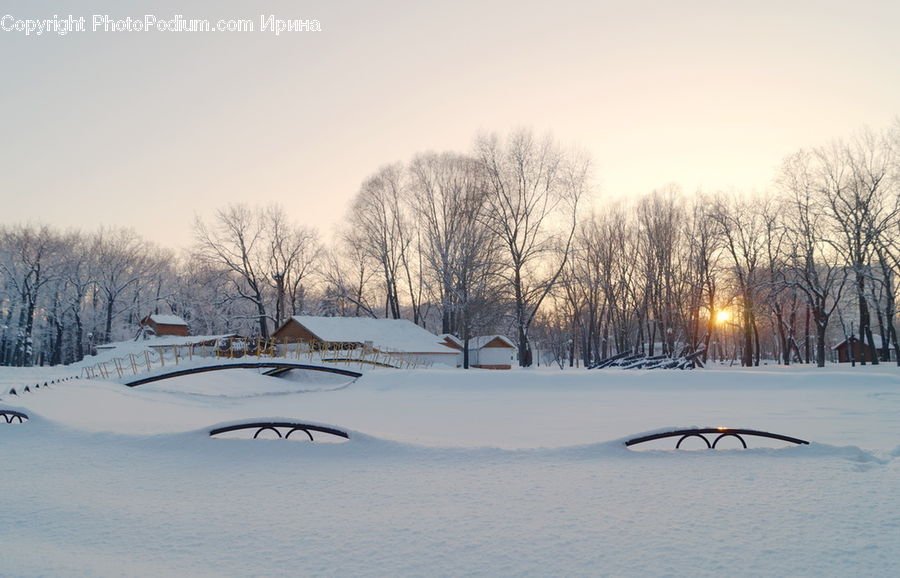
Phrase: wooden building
(861, 351)
(159, 325)
(394, 336)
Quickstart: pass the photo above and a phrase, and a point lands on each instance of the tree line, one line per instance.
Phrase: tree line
(509, 238)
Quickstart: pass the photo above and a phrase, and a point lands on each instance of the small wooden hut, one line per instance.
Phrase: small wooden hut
(165, 325)
(861, 351)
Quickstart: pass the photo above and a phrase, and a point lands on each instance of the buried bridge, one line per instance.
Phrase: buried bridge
(271, 367)
(168, 360)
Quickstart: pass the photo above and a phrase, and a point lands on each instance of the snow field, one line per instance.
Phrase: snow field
(455, 473)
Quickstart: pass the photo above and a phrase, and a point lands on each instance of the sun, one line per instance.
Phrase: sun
(723, 316)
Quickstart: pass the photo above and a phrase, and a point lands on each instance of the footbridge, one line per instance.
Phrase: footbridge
(156, 362)
(268, 367)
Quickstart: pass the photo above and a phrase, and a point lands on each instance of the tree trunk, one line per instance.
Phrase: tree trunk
(79, 337)
(806, 336)
(56, 357)
(865, 331)
(757, 348)
(747, 353)
(110, 302)
(782, 338)
(821, 326)
(263, 326)
(524, 349)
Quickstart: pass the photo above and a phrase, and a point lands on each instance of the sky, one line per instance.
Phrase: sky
(149, 129)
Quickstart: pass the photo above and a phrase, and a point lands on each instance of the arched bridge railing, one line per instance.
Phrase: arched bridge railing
(13, 416)
(274, 367)
(719, 432)
(287, 427)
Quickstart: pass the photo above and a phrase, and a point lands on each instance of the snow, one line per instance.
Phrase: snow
(137, 347)
(397, 335)
(452, 472)
(167, 319)
(452, 339)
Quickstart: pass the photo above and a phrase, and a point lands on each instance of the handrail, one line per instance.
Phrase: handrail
(9, 415)
(273, 365)
(722, 431)
(262, 426)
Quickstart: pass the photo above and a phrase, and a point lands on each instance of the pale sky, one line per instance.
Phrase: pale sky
(147, 129)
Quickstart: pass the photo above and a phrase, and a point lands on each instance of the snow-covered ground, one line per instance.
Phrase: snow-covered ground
(450, 472)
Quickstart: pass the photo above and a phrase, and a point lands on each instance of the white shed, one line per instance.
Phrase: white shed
(485, 352)
(492, 352)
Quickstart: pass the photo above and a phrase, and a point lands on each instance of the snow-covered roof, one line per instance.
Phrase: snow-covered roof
(385, 334)
(166, 319)
(452, 339)
(482, 340)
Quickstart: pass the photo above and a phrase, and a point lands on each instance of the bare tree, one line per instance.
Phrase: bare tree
(889, 259)
(531, 188)
(661, 217)
(79, 273)
(292, 255)
(475, 290)
(203, 296)
(119, 254)
(236, 240)
(583, 280)
(383, 228)
(449, 198)
(814, 267)
(742, 226)
(32, 254)
(855, 186)
(702, 270)
(616, 251)
(348, 271)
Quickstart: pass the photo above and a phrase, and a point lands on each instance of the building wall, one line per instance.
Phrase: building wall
(860, 353)
(496, 356)
(160, 329)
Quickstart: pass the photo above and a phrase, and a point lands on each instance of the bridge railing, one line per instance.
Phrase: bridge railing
(309, 350)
